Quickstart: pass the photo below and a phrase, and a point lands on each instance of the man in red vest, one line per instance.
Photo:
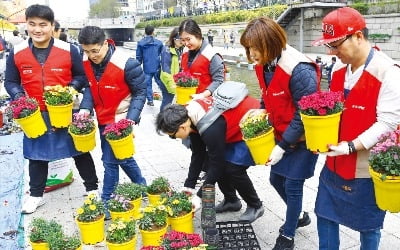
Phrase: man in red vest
(32, 65)
(228, 156)
(369, 80)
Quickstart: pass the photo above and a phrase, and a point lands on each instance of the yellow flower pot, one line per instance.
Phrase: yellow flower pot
(386, 191)
(130, 245)
(84, 143)
(261, 146)
(91, 232)
(183, 94)
(153, 238)
(123, 148)
(33, 125)
(182, 223)
(127, 215)
(39, 245)
(154, 198)
(137, 204)
(60, 116)
(321, 131)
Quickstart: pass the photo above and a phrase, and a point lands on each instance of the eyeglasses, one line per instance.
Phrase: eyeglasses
(336, 47)
(173, 136)
(93, 51)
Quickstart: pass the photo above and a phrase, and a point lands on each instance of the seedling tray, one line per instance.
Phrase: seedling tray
(237, 235)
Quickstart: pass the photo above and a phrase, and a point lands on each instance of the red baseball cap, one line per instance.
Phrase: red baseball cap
(338, 24)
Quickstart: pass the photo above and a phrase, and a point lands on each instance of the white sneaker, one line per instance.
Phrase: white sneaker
(31, 204)
(95, 193)
(196, 202)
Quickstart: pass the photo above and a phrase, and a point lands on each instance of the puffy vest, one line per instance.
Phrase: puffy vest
(35, 77)
(358, 115)
(199, 67)
(277, 97)
(232, 116)
(111, 94)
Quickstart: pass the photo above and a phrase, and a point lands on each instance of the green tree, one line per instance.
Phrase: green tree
(105, 9)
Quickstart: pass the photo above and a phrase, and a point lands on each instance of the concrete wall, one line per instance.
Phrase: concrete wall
(377, 24)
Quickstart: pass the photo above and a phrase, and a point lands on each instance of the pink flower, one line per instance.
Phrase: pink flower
(118, 130)
(23, 107)
(185, 79)
(321, 103)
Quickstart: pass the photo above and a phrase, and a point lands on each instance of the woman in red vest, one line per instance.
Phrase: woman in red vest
(285, 75)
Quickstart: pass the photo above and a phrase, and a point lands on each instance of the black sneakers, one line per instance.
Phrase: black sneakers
(224, 206)
(251, 214)
(304, 221)
(284, 243)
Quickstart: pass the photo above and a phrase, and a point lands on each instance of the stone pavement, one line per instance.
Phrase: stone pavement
(161, 156)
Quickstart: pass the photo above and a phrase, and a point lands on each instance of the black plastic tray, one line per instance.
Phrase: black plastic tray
(237, 235)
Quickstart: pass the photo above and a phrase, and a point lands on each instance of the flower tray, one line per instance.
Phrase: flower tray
(237, 235)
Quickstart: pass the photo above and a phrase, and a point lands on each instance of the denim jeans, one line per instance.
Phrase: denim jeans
(166, 97)
(328, 233)
(111, 176)
(291, 192)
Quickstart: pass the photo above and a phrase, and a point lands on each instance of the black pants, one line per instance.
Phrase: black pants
(235, 178)
(38, 171)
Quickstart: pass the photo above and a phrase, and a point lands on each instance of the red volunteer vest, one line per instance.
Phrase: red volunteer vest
(233, 116)
(358, 115)
(277, 97)
(35, 77)
(199, 67)
(110, 90)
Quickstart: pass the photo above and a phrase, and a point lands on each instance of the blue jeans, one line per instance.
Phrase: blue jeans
(328, 233)
(111, 176)
(291, 192)
(149, 83)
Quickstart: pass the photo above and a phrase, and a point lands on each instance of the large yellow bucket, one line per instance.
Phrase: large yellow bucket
(261, 146)
(84, 143)
(123, 148)
(321, 131)
(154, 198)
(60, 116)
(33, 125)
(183, 95)
(153, 238)
(386, 191)
(39, 245)
(91, 232)
(126, 215)
(130, 245)
(183, 223)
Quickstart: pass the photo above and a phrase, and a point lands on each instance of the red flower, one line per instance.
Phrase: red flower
(180, 240)
(185, 79)
(118, 130)
(322, 103)
(23, 107)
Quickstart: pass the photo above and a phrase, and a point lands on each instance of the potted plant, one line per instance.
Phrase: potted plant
(121, 234)
(40, 231)
(385, 171)
(158, 186)
(186, 85)
(258, 134)
(181, 211)
(90, 220)
(83, 130)
(26, 112)
(320, 113)
(133, 192)
(153, 224)
(120, 207)
(182, 240)
(59, 101)
(62, 242)
(120, 137)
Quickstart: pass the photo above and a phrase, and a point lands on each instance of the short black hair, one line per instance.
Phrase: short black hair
(41, 11)
(91, 35)
(63, 37)
(149, 30)
(170, 118)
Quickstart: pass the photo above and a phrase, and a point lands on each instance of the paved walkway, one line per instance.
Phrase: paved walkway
(160, 156)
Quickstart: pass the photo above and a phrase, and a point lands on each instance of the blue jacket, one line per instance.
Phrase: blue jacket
(134, 77)
(148, 54)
